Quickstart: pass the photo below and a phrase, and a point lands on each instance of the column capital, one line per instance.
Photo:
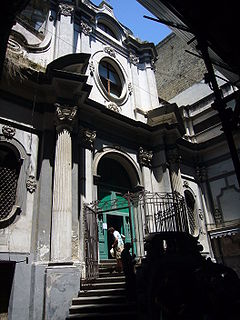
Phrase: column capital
(65, 116)
(65, 9)
(85, 28)
(201, 173)
(145, 157)
(173, 156)
(87, 138)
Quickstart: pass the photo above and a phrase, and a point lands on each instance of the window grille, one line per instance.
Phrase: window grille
(8, 186)
(9, 171)
(191, 219)
(190, 201)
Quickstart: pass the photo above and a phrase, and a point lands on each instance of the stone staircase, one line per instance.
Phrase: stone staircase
(104, 298)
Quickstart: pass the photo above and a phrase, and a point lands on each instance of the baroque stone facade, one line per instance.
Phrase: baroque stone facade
(72, 140)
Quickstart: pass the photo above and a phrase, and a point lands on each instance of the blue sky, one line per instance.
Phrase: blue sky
(130, 13)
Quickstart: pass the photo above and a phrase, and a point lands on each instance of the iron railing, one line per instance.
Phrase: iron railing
(91, 242)
(157, 211)
(162, 211)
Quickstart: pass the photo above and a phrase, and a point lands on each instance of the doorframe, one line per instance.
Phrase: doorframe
(127, 197)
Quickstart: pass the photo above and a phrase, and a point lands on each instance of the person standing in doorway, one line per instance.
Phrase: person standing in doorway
(118, 246)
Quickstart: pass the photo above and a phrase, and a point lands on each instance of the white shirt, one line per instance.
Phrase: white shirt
(119, 238)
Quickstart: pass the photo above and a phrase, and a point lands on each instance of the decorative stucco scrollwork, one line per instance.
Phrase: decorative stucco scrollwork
(110, 51)
(87, 138)
(31, 184)
(133, 59)
(8, 132)
(66, 9)
(86, 29)
(91, 68)
(65, 116)
(114, 107)
(145, 157)
(130, 88)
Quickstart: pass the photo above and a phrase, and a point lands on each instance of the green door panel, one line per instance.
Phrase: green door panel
(117, 218)
(102, 236)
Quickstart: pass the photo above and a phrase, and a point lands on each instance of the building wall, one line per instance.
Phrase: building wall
(43, 287)
(176, 70)
(180, 80)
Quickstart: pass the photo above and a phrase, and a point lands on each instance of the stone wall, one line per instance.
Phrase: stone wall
(176, 70)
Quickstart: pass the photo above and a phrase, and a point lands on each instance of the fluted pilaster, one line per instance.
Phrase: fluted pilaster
(61, 241)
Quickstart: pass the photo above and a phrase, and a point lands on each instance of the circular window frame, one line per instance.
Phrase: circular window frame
(121, 73)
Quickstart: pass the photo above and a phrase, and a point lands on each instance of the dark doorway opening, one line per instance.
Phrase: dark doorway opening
(7, 273)
(117, 223)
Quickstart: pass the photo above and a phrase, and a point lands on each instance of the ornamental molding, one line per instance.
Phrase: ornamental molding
(64, 112)
(31, 184)
(133, 59)
(14, 45)
(114, 107)
(145, 157)
(130, 88)
(110, 51)
(91, 68)
(8, 132)
(65, 116)
(218, 216)
(66, 9)
(201, 173)
(185, 184)
(173, 156)
(86, 29)
(87, 138)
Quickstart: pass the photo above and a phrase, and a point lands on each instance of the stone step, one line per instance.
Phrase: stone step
(103, 308)
(107, 263)
(126, 315)
(112, 278)
(106, 273)
(105, 285)
(100, 292)
(98, 299)
(103, 298)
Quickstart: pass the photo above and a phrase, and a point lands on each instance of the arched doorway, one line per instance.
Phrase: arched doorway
(114, 182)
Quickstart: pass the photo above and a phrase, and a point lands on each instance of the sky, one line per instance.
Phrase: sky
(130, 13)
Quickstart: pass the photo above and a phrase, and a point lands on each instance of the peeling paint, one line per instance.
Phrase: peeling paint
(75, 247)
(43, 251)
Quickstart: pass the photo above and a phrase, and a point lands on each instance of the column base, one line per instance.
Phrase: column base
(62, 284)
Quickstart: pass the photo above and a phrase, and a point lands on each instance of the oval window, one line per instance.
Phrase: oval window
(110, 79)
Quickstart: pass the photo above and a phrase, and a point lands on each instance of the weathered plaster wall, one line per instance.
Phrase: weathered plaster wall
(176, 70)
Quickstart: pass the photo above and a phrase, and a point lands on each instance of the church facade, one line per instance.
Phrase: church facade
(85, 144)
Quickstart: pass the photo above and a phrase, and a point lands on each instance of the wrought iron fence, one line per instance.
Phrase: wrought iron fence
(91, 241)
(158, 211)
(162, 211)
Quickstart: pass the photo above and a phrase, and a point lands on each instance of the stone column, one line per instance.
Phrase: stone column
(87, 138)
(174, 159)
(61, 241)
(145, 160)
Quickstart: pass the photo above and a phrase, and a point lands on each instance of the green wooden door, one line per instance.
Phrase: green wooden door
(117, 218)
